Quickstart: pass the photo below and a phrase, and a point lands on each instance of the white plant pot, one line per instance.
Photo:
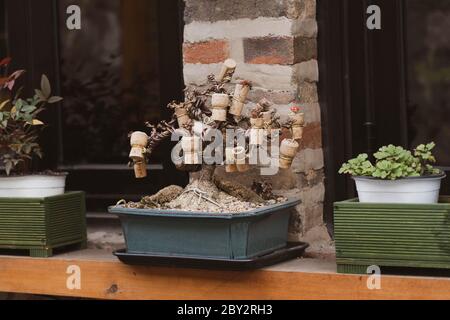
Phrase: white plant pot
(33, 186)
(420, 190)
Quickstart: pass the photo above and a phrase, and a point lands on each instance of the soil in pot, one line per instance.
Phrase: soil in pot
(206, 194)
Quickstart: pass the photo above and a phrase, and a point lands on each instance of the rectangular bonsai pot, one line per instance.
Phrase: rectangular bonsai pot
(392, 235)
(43, 224)
(210, 235)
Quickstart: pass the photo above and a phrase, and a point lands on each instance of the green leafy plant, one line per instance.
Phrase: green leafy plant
(19, 123)
(359, 166)
(394, 163)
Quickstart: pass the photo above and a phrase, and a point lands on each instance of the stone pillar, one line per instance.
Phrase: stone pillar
(275, 45)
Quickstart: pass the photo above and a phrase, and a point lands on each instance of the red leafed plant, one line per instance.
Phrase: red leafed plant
(19, 125)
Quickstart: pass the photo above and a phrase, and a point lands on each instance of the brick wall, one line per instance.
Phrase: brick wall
(275, 45)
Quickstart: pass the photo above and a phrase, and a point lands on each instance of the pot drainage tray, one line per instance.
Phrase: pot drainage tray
(290, 252)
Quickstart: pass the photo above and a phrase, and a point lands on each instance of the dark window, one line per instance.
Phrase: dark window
(119, 71)
(109, 78)
(428, 66)
(3, 33)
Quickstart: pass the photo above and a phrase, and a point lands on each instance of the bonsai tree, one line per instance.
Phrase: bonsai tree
(212, 124)
(394, 163)
(19, 123)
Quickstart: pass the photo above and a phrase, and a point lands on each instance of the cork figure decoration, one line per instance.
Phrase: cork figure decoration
(240, 155)
(138, 143)
(230, 161)
(257, 122)
(227, 72)
(297, 120)
(192, 148)
(288, 151)
(181, 113)
(219, 107)
(257, 131)
(240, 96)
(214, 111)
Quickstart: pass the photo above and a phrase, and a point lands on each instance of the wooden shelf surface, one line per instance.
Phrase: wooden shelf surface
(104, 277)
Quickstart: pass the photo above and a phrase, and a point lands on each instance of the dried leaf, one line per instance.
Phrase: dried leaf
(37, 122)
(27, 148)
(18, 93)
(45, 87)
(12, 79)
(38, 153)
(40, 95)
(54, 99)
(10, 84)
(8, 167)
(3, 104)
(16, 75)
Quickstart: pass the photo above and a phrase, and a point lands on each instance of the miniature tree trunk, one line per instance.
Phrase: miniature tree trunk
(201, 193)
(203, 179)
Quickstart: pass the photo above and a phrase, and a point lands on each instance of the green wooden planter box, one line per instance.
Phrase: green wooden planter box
(206, 235)
(392, 235)
(42, 225)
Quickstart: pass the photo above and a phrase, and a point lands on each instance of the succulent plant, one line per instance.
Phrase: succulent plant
(393, 162)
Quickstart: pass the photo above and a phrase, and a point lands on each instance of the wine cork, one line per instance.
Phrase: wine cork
(298, 119)
(140, 170)
(192, 158)
(257, 132)
(192, 148)
(240, 96)
(288, 151)
(230, 161)
(298, 123)
(227, 72)
(241, 159)
(257, 123)
(138, 142)
(219, 106)
(297, 132)
(182, 117)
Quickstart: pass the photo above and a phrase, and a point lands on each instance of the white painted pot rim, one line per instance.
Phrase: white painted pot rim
(59, 174)
(33, 186)
(440, 176)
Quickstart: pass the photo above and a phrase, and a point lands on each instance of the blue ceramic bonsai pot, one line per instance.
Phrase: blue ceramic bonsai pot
(208, 235)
